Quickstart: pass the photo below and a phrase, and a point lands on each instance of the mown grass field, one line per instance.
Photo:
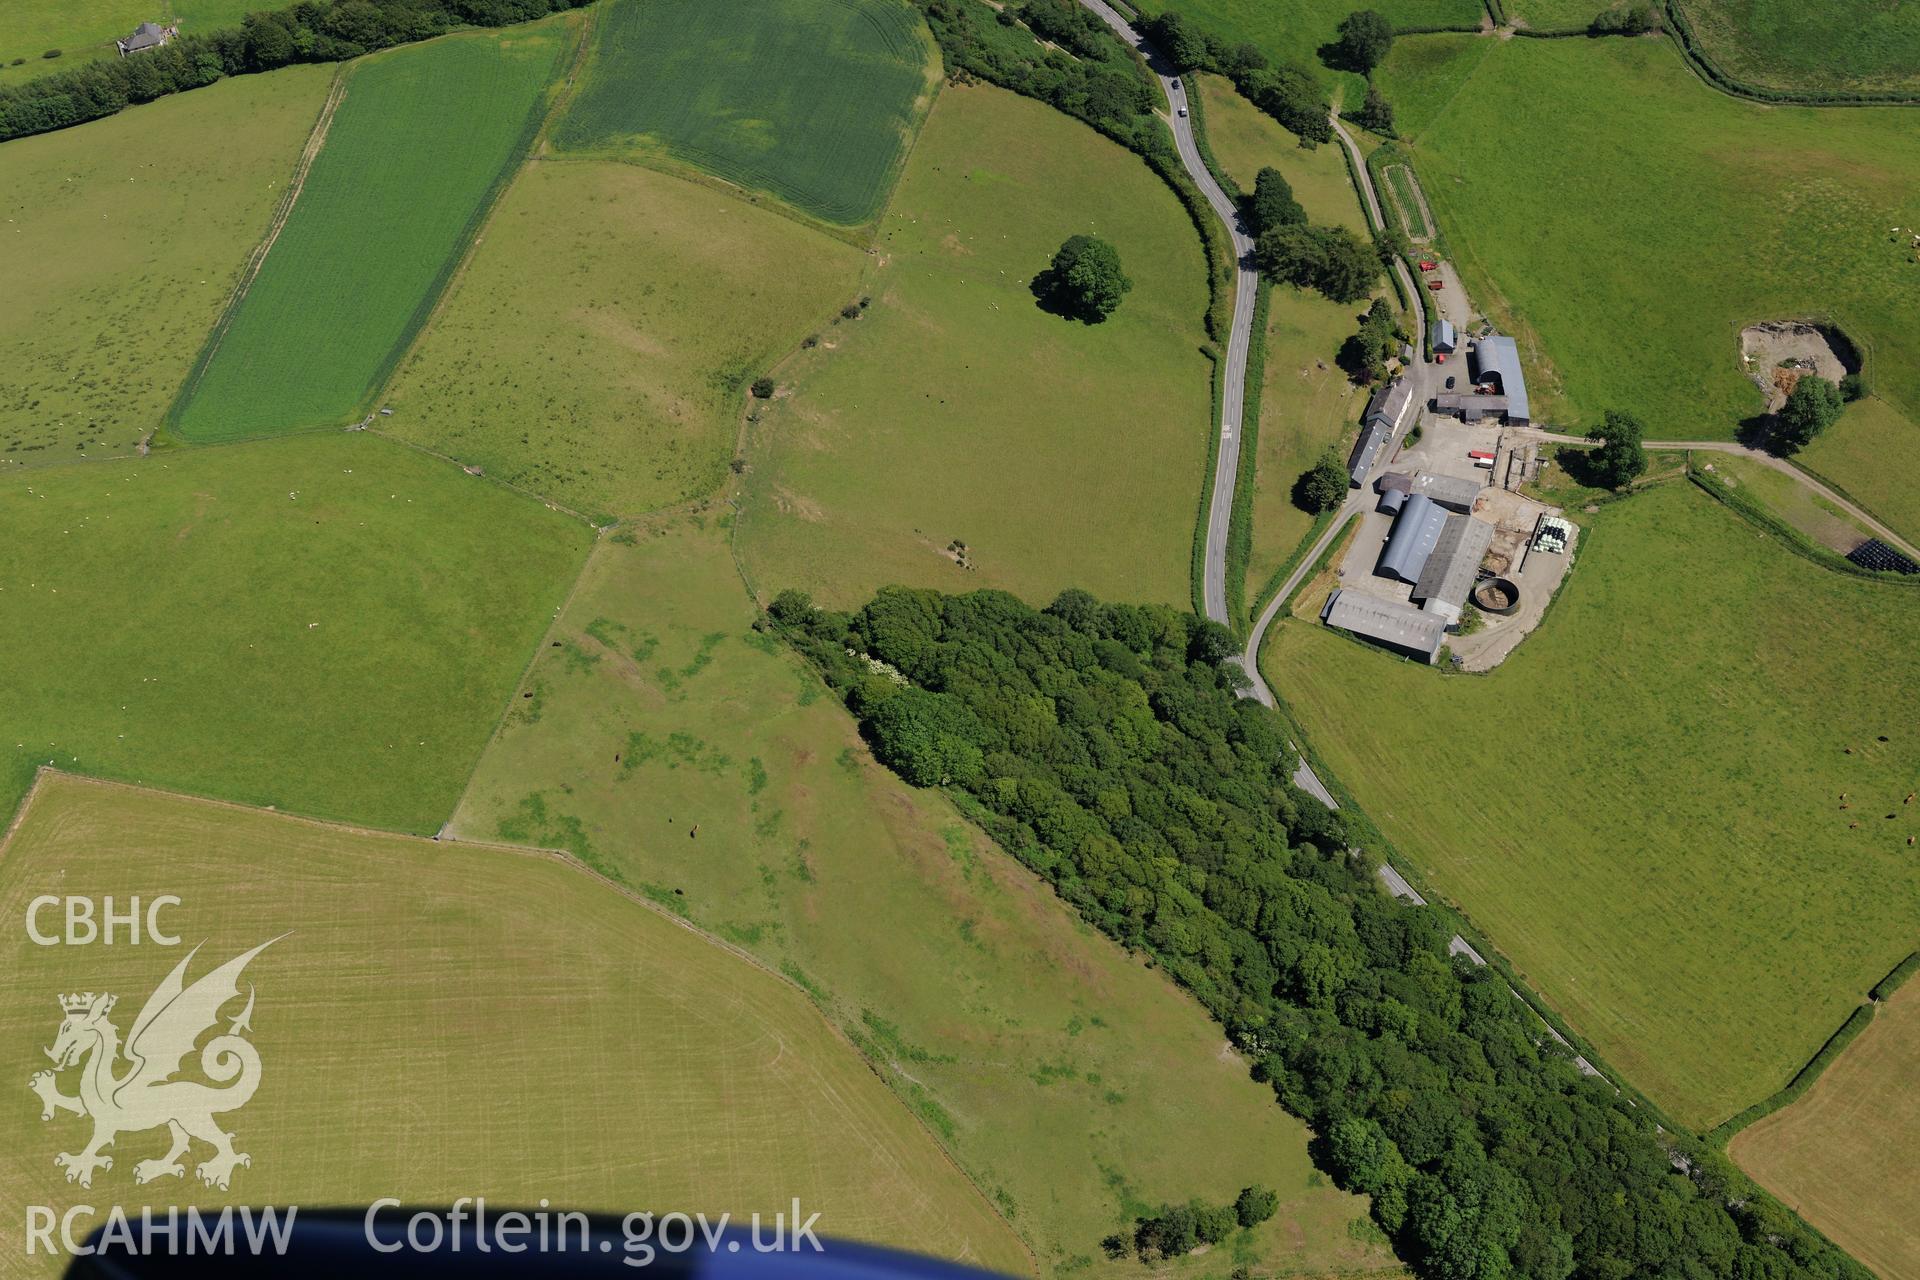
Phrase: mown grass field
(955, 409)
(813, 103)
(329, 624)
(120, 241)
(1867, 454)
(1794, 44)
(85, 29)
(598, 347)
(1422, 74)
(412, 157)
(1246, 140)
(1842, 1156)
(1642, 807)
(704, 764)
(444, 1021)
(1743, 213)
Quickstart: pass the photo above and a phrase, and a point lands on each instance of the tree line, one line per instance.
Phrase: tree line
(311, 31)
(1290, 94)
(1106, 746)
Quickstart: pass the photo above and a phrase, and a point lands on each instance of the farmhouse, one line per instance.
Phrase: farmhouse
(1377, 425)
(1388, 623)
(147, 35)
(1499, 386)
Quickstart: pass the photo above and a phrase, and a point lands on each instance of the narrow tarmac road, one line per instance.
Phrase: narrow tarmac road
(1213, 591)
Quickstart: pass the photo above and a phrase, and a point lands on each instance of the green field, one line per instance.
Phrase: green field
(1811, 44)
(1294, 30)
(1556, 15)
(1855, 454)
(444, 1021)
(1645, 814)
(1307, 403)
(412, 157)
(702, 763)
(121, 241)
(1422, 74)
(814, 103)
(85, 29)
(1842, 1155)
(954, 409)
(598, 347)
(1742, 213)
(328, 624)
(1246, 140)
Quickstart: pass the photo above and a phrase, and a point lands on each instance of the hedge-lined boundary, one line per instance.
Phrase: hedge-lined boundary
(1240, 522)
(1799, 543)
(1803, 1079)
(1197, 568)
(1265, 595)
(1895, 979)
(1714, 74)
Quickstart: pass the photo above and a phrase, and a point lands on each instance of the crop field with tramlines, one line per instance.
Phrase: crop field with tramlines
(413, 155)
(811, 102)
(437, 1020)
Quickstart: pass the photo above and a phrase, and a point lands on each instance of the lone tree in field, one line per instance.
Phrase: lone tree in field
(1323, 486)
(1811, 408)
(1083, 281)
(1620, 459)
(1375, 113)
(1364, 38)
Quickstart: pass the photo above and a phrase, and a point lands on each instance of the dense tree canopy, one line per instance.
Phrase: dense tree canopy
(1331, 259)
(1363, 39)
(311, 31)
(1374, 113)
(1620, 459)
(1107, 747)
(1273, 204)
(1289, 94)
(1812, 406)
(1084, 280)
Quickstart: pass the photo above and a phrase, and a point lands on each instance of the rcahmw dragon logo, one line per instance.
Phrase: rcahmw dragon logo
(145, 1095)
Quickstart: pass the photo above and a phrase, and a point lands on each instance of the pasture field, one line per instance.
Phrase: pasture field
(413, 155)
(1794, 44)
(1649, 823)
(812, 103)
(1556, 15)
(1422, 74)
(956, 410)
(1246, 140)
(1306, 404)
(1854, 453)
(85, 29)
(1842, 1155)
(1793, 502)
(442, 1020)
(598, 347)
(699, 761)
(121, 241)
(328, 624)
(1745, 213)
(1294, 30)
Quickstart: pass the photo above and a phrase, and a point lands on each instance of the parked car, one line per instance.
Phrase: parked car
(1449, 384)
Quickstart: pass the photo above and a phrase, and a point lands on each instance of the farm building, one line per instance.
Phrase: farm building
(1373, 438)
(1415, 531)
(1388, 623)
(147, 35)
(1389, 404)
(1443, 339)
(1454, 565)
(1499, 386)
(1455, 493)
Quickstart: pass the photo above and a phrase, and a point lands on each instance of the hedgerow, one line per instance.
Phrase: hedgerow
(311, 31)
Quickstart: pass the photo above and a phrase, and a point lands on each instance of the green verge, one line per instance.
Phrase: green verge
(1240, 523)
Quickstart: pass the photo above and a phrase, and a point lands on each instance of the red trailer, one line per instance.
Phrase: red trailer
(1429, 266)
(1435, 285)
